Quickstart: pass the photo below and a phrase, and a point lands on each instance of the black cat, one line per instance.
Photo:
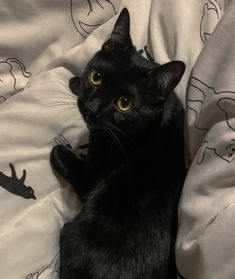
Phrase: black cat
(132, 177)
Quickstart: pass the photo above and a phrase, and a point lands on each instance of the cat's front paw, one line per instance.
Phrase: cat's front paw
(62, 160)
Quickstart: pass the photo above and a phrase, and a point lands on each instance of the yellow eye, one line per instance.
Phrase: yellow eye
(95, 78)
(125, 104)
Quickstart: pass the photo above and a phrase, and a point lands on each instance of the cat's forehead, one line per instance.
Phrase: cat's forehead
(133, 63)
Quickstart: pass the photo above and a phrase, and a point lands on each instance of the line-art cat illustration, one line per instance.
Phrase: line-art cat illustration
(51, 271)
(89, 14)
(201, 94)
(81, 150)
(13, 77)
(15, 185)
(199, 108)
(148, 55)
(227, 152)
(180, 275)
(211, 14)
(62, 140)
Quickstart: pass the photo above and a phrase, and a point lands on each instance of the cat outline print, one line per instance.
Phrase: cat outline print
(50, 271)
(87, 15)
(211, 14)
(201, 118)
(13, 77)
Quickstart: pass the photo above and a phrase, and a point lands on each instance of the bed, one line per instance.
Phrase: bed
(43, 44)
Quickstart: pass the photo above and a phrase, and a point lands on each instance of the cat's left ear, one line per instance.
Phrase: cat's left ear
(167, 76)
(74, 84)
(120, 36)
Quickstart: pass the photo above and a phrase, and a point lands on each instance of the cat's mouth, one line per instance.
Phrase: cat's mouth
(95, 125)
(93, 121)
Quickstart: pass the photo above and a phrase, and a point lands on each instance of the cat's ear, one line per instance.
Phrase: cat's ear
(120, 36)
(166, 77)
(74, 84)
(121, 30)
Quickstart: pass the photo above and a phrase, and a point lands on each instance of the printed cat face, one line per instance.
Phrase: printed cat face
(121, 88)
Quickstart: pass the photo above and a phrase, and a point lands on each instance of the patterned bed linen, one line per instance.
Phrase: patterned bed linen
(44, 43)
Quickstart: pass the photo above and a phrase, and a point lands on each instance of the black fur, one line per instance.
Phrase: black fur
(132, 177)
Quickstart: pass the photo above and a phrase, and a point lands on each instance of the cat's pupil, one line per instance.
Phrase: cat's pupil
(125, 102)
(97, 76)
(94, 78)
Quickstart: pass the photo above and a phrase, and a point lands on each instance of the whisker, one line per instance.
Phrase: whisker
(61, 98)
(63, 104)
(127, 138)
(49, 90)
(60, 94)
(117, 141)
(56, 91)
(65, 101)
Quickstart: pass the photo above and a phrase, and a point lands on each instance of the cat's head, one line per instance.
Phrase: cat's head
(121, 88)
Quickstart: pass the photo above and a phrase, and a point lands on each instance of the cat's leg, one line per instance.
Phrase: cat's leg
(75, 170)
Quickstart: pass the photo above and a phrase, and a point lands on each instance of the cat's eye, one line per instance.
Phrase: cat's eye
(124, 104)
(95, 78)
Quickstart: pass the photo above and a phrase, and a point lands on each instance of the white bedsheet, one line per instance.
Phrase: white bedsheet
(43, 43)
(206, 238)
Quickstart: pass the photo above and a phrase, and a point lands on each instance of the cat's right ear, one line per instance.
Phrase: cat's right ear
(74, 84)
(166, 77)
(120, 36)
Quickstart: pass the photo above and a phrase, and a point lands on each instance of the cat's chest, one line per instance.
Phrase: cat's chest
(131, 186)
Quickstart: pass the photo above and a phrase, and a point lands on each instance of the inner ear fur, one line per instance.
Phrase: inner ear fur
(167, 76)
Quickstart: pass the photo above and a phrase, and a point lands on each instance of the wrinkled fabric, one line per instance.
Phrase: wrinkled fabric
(206, 237)
(43, 44)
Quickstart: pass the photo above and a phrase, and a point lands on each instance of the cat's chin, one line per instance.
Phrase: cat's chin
(95, 126)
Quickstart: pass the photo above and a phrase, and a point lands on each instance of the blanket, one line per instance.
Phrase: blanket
(43, 44)
(206, 238)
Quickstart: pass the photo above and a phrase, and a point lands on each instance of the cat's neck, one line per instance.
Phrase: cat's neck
(113, 148)
(103, 150)
(158, 149)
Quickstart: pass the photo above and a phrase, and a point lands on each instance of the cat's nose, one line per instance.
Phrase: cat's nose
(93, 106)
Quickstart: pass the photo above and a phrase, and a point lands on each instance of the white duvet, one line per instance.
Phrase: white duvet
(44, 43)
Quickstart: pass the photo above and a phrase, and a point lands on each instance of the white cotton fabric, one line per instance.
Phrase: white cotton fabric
(206, 238)
(43, 44)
